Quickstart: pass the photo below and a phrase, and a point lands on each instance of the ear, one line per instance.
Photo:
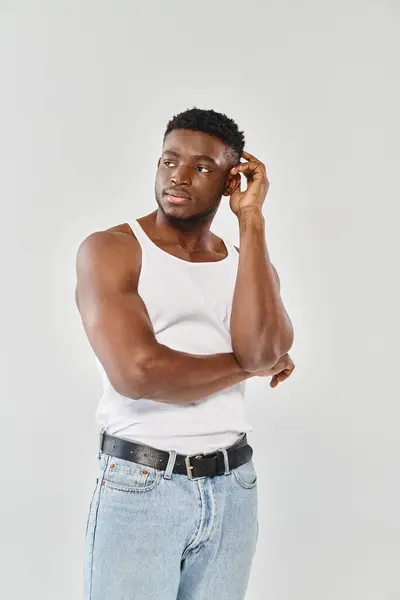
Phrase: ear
(232, 184)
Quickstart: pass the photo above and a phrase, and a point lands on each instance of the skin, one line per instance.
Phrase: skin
(268, 334)
(108, 267)
(207, 181)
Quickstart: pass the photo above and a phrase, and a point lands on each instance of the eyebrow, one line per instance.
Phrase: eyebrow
(196, 156)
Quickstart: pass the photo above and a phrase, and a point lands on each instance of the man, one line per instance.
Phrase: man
(178, 320)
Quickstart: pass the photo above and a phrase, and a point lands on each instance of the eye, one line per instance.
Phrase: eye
(170, 162)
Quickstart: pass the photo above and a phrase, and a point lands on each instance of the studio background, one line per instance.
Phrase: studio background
(87, 89)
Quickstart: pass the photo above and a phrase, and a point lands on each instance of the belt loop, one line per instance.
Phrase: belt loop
(101, 437)
(226, 460)
(170, 465)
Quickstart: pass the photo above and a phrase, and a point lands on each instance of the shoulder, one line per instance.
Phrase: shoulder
(105, 256)
(111, 244)
(116, 239)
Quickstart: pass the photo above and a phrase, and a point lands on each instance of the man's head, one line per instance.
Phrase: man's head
(199, 149)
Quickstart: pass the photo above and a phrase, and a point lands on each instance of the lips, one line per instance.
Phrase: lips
(177, 199)
(178, 194)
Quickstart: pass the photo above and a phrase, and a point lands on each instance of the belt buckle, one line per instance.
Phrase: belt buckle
(189, 467)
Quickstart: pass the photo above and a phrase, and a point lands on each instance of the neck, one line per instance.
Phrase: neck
(187, 234)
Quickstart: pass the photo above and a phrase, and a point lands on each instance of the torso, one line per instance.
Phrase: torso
(218, 252)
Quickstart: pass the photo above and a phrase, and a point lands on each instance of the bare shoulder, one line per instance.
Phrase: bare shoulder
(109, 258)
(109, 247)
(121, 228)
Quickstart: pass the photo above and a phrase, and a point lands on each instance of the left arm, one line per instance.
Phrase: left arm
(261, 330)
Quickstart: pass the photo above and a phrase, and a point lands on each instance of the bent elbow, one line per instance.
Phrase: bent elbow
(139, 381)
(252, 364)
(261, 365)
(129, 386)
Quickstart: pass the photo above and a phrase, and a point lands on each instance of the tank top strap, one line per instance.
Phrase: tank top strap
(144, 242)
(137, 230)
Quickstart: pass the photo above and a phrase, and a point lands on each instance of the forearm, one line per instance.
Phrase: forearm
(180, 378)
(261, 330)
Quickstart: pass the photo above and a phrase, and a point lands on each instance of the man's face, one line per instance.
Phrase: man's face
(196, 165)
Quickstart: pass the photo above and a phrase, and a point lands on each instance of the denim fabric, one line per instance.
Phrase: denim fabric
(157, 535)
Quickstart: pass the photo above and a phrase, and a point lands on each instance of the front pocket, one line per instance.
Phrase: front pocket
(246, 475)
(128, 476)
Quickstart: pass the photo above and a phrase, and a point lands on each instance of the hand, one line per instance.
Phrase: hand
(281, 371)
(257, 185)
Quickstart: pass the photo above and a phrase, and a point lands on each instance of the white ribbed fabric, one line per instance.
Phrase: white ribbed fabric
(189, 305)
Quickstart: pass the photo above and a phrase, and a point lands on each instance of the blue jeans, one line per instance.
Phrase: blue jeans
(158, 535)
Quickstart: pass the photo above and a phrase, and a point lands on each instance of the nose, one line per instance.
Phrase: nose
(181, 175)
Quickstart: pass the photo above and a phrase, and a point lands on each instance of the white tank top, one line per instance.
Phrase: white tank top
(189, 304)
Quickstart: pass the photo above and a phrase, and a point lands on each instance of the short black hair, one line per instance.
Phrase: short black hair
(214, 123)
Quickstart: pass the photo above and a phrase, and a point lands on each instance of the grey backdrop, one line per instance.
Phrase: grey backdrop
(86, 91)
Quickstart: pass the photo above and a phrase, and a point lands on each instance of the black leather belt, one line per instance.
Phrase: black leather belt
(194, 466)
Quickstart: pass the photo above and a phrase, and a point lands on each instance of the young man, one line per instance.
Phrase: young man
(179, 320)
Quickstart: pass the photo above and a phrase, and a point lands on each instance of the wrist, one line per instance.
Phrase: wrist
(251, 217)
(250, 211)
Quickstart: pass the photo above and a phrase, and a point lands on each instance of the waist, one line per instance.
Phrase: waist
(184, 444)
(215, 422)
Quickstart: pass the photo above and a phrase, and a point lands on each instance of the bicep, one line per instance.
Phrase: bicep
(114, 316)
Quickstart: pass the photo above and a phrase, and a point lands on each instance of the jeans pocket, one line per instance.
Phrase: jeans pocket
(246, 475)
(127, 476)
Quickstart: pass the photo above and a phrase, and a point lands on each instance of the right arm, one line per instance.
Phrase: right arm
(120, 331)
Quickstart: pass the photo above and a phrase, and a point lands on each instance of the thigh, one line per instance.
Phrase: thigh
(131, 551)
(221, 568)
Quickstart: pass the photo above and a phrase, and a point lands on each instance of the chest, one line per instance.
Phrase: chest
(185, 293)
